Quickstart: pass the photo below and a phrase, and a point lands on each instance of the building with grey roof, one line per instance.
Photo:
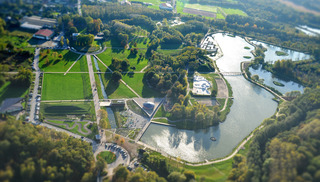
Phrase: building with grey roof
(37, 22)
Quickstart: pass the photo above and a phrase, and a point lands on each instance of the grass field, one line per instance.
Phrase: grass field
(72, 86)
(19, 39)
(121, 54)
(60, 110)
(9, 91)
(202, 7)
(231, 11)
(80, 66)
(142, 42)
(116, 90)
(214, 172)
(161, 113)
(49, 63)
(135, 81)
(108, 156)
(155, 3)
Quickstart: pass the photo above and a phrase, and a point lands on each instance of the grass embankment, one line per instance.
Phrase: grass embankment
(60, 110)
(107, 156)
(136, 82)
(135, 108)
(116, 90)
(122, 54)
(73, 86)
(57, 61)
(8, 90)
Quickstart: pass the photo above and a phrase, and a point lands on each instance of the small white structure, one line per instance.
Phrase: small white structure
(201, 86)
(166, 6)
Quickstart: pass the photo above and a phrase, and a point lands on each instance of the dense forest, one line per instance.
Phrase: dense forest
(287, 148)
(35, 153)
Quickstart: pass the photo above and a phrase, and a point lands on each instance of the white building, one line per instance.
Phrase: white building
(166, 6)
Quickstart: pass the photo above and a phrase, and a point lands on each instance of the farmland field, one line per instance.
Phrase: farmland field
(212, 9)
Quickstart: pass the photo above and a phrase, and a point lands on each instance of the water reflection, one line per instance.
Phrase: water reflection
(251, 105)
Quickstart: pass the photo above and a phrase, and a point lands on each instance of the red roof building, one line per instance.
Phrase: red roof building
(43, 34)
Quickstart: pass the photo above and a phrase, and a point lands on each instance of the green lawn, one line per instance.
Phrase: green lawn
(69, 123)
(10, 91)
(19, 39)
(214, 172)
(116, 90)
(212, 9)
(60, 110)
(113, 42)
(80, 66)
(72, 86)
(161, 120)
(142, 42)
(155, 3)
(108, 156)
(161, 113)
(231, 11)
(121, 54)
(135, 81)
(49, 63)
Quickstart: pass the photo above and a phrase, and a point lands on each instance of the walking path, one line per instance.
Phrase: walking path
(76, 124)
(73, 64)
(93, 88)
(80, 100)
(120, 79)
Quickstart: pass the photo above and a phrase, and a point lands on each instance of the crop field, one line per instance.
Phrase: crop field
(50, 61)
(73, 86)
(122, 54)
(116, 90)
(135, 81)
(60, 110)
(199, 12)
(231, 11)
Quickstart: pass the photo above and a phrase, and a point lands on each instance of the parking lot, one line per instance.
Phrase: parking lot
(123, 158)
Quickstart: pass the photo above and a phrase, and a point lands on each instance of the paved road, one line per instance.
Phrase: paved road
(93, 88)
(118, 161)
(79, 7)
(36, 85)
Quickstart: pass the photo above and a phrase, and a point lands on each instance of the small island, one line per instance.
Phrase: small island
(247, 57)
(278, 84)
(280, 53)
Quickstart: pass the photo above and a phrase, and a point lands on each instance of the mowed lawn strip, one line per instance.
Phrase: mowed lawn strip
(135, 81)
(116, 90)
(106, 57)
(80, 66)
(72, 86)
(50, 62)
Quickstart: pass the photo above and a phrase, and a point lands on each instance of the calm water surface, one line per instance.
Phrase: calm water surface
(251, 105)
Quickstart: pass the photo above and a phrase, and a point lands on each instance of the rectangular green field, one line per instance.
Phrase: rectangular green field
(142, 42)
(212, 9)
(122, 54)
(136, 82)
(116, 90)
(50, 62)
(231, 11)
(8, 90)
(60, 110)
(155, 3)
(72, 86)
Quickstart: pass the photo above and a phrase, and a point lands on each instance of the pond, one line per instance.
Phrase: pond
(269, 79)
(251, 105)
(271, 56)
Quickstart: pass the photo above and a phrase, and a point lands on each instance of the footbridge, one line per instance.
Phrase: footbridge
(232, 73)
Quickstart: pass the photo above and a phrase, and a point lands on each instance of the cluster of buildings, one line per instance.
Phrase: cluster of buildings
(44, 26)
(209, 46)
(201, 86)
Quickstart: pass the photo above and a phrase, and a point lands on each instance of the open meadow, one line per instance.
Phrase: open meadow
(73, 86)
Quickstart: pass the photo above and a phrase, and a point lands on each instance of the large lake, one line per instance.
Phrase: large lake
(251, 105)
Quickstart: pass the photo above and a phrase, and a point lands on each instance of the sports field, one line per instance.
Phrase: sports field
(72, 86)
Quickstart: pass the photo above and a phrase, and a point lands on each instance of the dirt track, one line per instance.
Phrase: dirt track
(199, 12)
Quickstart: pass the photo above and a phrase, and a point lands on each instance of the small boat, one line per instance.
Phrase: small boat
(213, 138)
